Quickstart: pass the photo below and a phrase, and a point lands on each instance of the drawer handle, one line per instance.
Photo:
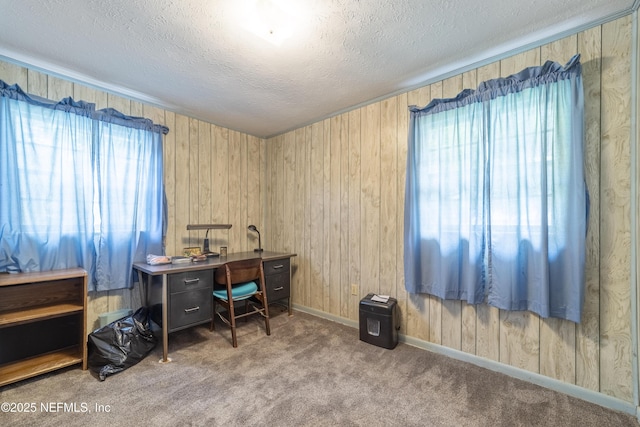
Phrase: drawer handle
(191, 310)
(279, 289)
(275, 267)
(191, 281)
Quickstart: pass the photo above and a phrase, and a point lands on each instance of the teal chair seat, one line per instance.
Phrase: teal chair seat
(238, 292)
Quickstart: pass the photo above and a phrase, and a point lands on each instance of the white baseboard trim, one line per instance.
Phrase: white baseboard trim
(328, 316)
(521, 374)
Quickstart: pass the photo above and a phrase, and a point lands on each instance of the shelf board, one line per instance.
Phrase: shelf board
(27, 368)
(9, 279)
(17, 317)
(208, 226)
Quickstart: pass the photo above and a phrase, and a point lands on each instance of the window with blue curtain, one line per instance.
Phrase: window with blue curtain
(496, 202)
(78, 188)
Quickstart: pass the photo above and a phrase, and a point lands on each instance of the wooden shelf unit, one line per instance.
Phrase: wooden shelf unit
(42, 322)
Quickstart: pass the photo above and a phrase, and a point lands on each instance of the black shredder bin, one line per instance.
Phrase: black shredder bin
(379, 323)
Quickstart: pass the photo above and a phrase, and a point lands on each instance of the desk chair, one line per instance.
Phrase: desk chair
(235, 282)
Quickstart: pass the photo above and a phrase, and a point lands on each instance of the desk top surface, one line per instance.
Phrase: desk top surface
(212, 262)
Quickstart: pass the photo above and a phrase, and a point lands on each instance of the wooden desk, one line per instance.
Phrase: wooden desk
(169, 301)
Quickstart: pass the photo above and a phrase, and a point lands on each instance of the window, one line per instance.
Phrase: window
(79, 188)
(496, 200)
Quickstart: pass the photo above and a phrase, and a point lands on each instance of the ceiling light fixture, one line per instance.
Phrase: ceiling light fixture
(271, 20)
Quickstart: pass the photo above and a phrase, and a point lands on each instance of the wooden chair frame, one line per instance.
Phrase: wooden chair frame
(234, 273)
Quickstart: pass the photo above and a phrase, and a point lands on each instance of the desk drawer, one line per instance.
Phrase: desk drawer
(278, 286)
(277, 267)
(189, 280)
(189, 308)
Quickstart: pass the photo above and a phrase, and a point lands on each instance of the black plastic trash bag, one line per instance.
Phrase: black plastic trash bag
(120, 344)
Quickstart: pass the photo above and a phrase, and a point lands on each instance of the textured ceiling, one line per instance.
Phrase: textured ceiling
(195, 57)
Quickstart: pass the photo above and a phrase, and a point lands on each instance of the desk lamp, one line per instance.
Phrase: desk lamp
(253, 228)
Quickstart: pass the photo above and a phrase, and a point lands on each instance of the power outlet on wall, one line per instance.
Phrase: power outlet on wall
(354, 289)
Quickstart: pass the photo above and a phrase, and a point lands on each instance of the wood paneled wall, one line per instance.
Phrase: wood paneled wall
(336, 198)
(212, 175)
(333, 192)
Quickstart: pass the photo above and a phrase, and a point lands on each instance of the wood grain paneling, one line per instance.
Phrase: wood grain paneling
(316, 260)
(402, 132)
(273, 235)
(182, 184)
(300, 268)
(37, 83)
(204, 179)
(334, 275)
(615, 198)
(169, 164)
(193, 184)
(370, 201)
(326, 217)
(13, 74)
(237, 185)
(345, 282)
(58, 88)
(388, 196)
(354, 209)
(221, 193)
(289, 196)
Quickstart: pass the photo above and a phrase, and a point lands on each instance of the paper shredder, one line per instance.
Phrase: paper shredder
(379, 322)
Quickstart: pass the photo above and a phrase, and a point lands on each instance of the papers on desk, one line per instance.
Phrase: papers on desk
(380, 298)
(158, 259)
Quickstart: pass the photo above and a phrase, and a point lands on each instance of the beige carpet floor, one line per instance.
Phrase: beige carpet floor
(309, 372)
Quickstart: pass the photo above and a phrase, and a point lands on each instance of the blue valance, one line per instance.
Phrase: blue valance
(528, 78)
(82, 108)
(110, 115)
(16, 93)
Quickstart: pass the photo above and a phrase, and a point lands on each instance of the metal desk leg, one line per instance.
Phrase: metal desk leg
(165, 334)
(165, 322)
(289, 299)
(144, 285)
